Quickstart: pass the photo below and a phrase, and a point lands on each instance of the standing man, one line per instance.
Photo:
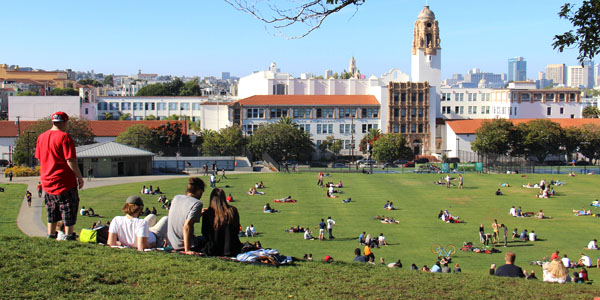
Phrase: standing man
(460, 182)
(448, 181)
(330, 224)
(505, 235)
(60, 175)
(186, 211)
(90, 173)
(321, 227)
(496, 229)
(39, 188)
(10, 175)
(509, 269)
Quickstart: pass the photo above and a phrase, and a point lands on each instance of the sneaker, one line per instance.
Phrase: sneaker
(51, 236)
(71, 237)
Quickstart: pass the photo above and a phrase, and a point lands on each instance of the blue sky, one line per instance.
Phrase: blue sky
(205, 37)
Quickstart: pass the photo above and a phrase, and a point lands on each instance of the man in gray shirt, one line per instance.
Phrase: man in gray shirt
(185, 211)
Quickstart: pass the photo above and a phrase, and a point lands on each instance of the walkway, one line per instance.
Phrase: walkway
(30, 219)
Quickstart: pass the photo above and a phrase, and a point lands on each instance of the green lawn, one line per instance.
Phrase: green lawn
(419, 202)
(10, 203)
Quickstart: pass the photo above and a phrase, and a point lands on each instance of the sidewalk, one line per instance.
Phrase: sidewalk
(30, 218)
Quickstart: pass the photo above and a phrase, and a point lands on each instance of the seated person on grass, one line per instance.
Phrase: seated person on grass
(307, 235)
(267, 209)
(499, 193)
(541, 215)
(287, 199)
(524, 236)
(339, 185)
(595, 203)
(592, 245)
(329, 195)
(260, 185)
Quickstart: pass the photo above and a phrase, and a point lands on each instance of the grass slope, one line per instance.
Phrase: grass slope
(10, 203)
(36, 268)
(419, 202)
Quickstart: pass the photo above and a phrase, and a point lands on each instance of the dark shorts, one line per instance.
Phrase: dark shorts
(63, 207)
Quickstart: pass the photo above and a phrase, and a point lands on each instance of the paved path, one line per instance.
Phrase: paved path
(30, 218)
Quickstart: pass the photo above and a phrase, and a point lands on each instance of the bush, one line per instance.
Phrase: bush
(21, 171)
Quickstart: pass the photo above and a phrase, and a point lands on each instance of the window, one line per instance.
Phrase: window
(402, 128)
(161, 106)
(462, 97)
(403, 113)
(395, 128)
(487, 110)
(537, 97)
(330, 127)
(125, 105)
(420, 97)
(515, 111)
(138, 105)
(403, 97)
(172, 105)
(305, 127)
(345, 128)
(420, 113)
(549, 97)
(456, 109)
(278, 112)
(347, 112)
(562, 110)
(364, 128)
(279, 89)
(420, 128)
(469, 96)
(184, 106)
(413, 97)
(525, 97)
(113, 106)
(396, 113)
(474, 97)
(561, 97)
(396, 98)
(255, 113)
(319, 112)
(195, 106)
(572, 97)
(86, 111)
(102, 105)
(302, 112)
(413, 128)
(149, 106)
(325, 113)
(461, 110)
(319, 128)
(470, 110)
(549, 111)
(474, 110)
(445, 96)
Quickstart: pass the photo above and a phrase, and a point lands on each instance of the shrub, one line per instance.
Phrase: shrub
(20, 171)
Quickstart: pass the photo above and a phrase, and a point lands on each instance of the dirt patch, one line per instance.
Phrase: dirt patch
(460, 200)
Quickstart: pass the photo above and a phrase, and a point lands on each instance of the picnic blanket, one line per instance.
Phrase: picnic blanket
(284, 200)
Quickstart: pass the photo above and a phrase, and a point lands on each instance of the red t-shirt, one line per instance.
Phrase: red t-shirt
(53, 149)
(39, 187)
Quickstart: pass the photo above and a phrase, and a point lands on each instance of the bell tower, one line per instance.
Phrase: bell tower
(426, 64)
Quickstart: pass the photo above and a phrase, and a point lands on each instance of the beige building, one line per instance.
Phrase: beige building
(409, 114)
(48, 80)
(557, 73)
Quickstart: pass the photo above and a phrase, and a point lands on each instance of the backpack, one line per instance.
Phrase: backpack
(97, 235)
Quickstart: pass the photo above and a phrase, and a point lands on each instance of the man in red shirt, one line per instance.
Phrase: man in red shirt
(39, 188)
(60, 175)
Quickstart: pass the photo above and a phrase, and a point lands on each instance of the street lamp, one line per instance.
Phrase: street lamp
(29, 162)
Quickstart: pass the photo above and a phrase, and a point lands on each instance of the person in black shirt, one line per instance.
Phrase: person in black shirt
(509, 269)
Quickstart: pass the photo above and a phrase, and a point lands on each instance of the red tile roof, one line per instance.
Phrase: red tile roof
(99, 128)
(308, 100)
(471, 126)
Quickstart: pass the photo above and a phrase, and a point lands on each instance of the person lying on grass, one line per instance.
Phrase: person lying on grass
(252, 191)
(296, 229)
(595, 203)
(449, 218)
(582, 212)
(129, 231)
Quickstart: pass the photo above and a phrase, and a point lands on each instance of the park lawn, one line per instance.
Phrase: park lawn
(10, 203)
(37, 268)
(418, 201)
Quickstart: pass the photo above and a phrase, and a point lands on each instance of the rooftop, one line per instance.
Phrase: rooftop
(110, 149)
(99, 128)
(308, 100)
(471, 126)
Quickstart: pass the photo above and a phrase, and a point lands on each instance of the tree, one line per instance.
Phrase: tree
(139, 136)
(541, 138)
(331, 144)
(172, 138)
(125, 116)
(590, 142)
(345, 75)
(335, 75)
(92, 82)
(585, 38)
(108, 116)
(368, 139)
(156, 89)
(65, 92)
(281, 140)
(228, 141)
(591, 112)
(493, 137)
(390, 147)
(571, 141)
(310, 13)
(191, 88)
(150, 117)
(108, 80)
(79, 130)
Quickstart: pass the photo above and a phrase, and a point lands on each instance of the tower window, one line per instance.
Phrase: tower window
(428, 24)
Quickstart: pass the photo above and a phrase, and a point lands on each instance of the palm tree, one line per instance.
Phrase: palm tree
(371, 137)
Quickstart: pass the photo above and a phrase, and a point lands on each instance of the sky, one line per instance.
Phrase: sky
(207, 37)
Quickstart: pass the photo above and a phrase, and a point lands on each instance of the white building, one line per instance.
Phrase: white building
(581, 76)
(33, 108)
(557, 73)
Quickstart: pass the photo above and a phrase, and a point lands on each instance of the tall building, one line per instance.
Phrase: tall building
(596, 75)
(581, 76)
(517, 69)
(426, 64)
(225, 75)
(557, 73)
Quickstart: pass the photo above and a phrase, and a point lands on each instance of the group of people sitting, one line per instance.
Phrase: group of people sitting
(519, 212)
(88, 212)
(366, 240)
(220, 224)
(331, 184)
(249, 232)
(150, 191)
(524, 235)
(252, 191)
(330, 191)
(445, 216)
(166, 203)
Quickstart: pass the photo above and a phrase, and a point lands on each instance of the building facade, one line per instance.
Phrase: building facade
(557, 73)
(517, 69)
(409, 115)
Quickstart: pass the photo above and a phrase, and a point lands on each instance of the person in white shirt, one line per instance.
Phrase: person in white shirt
(513, 212)
(382, 240)
(566, 261)
(307, 235)
(532, 236)
(129, 231)
(584, 261)
(592, 245)
(330, 224)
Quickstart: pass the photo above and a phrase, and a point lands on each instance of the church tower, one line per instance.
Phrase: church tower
(426, 65)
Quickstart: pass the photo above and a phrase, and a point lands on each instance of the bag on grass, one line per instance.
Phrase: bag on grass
(88, 235)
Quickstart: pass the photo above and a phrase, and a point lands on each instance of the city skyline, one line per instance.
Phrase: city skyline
(205, 39)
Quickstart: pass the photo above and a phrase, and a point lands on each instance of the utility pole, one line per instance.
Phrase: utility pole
(18, 126)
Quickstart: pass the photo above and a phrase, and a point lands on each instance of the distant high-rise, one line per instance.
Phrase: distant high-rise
(557, 73)
(581, 76)
(328, 73)
(596, 75)
(225, 75)
(517, 69)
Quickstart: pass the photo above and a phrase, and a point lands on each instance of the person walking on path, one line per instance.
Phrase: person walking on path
(39, 189)
(28, 196)
(59, 174)
(330, 224)
(90, 173)
(10, 175)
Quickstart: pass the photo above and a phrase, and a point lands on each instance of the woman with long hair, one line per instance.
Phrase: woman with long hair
(555, 271)
(220, 227)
